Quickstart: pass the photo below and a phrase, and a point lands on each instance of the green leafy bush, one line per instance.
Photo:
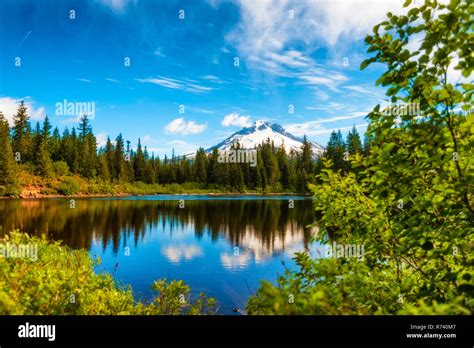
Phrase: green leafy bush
(410, 201)
(69, 186)
(10, 190)
(60, 168)
(62, 281)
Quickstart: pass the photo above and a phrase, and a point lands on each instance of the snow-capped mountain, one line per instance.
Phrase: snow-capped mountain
(260, 131)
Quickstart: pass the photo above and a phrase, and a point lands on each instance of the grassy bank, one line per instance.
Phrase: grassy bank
(33, 186)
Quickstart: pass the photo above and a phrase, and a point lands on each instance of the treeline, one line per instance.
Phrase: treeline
(48, 153)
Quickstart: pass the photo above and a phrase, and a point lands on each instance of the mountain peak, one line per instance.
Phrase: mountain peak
(261, 124)
(260, 131)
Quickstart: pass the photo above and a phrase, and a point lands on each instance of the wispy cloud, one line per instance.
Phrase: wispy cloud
(213, 78)
(327, 106)
(366, 90)
(84, 80)
(200, 110)
(112, 80)
(280, 36)
(158, 52)
(171, 83)
(316, 127)
(183, 127)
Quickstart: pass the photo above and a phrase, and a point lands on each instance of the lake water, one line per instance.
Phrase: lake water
(220, 245)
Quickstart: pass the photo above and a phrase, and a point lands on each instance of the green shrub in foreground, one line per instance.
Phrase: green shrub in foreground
(409, 202)
(62, 281)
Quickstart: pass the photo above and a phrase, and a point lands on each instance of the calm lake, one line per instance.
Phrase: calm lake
(220, 245)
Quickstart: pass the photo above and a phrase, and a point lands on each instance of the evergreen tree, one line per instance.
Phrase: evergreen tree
(21, 133)
(306, 155)
(119, 161)
(150, 173)
(200, 165)
(335, 150)
(284, 167)
(128, 163)
(212, 167)
(55, 145)
(87, 149)
(367, 145)
(139, 164)
(272, 173)
(354, 144)
(158, 170)
(236, 177)
(104, 170)
(71, 151)
(44, 165)
(46, 128)
(109, 159)
(37, 140)
(7, 163)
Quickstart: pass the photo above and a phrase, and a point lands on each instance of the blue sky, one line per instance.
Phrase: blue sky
(182, 88)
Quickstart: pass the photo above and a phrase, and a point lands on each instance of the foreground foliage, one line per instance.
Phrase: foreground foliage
(409, 203)
(62, 281)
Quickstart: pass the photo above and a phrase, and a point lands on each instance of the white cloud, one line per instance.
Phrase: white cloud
(9, 107)
(84, 80)
(235, 119)
(117, 6)
(170, 83)
(102, 138)
(182, 127)
(112, 80)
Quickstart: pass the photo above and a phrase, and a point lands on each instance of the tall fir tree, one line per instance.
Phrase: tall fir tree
(109, 159)
(200, 165)
(119, 160)
(335, 150)
(354, 145)
(306, 155)
(8, 170)
(21, 134)
(139, 164)
(284, 167)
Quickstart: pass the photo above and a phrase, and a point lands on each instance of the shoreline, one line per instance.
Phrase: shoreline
(119, 195)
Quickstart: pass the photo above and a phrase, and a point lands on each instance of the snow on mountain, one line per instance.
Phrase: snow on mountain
(259, 132)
